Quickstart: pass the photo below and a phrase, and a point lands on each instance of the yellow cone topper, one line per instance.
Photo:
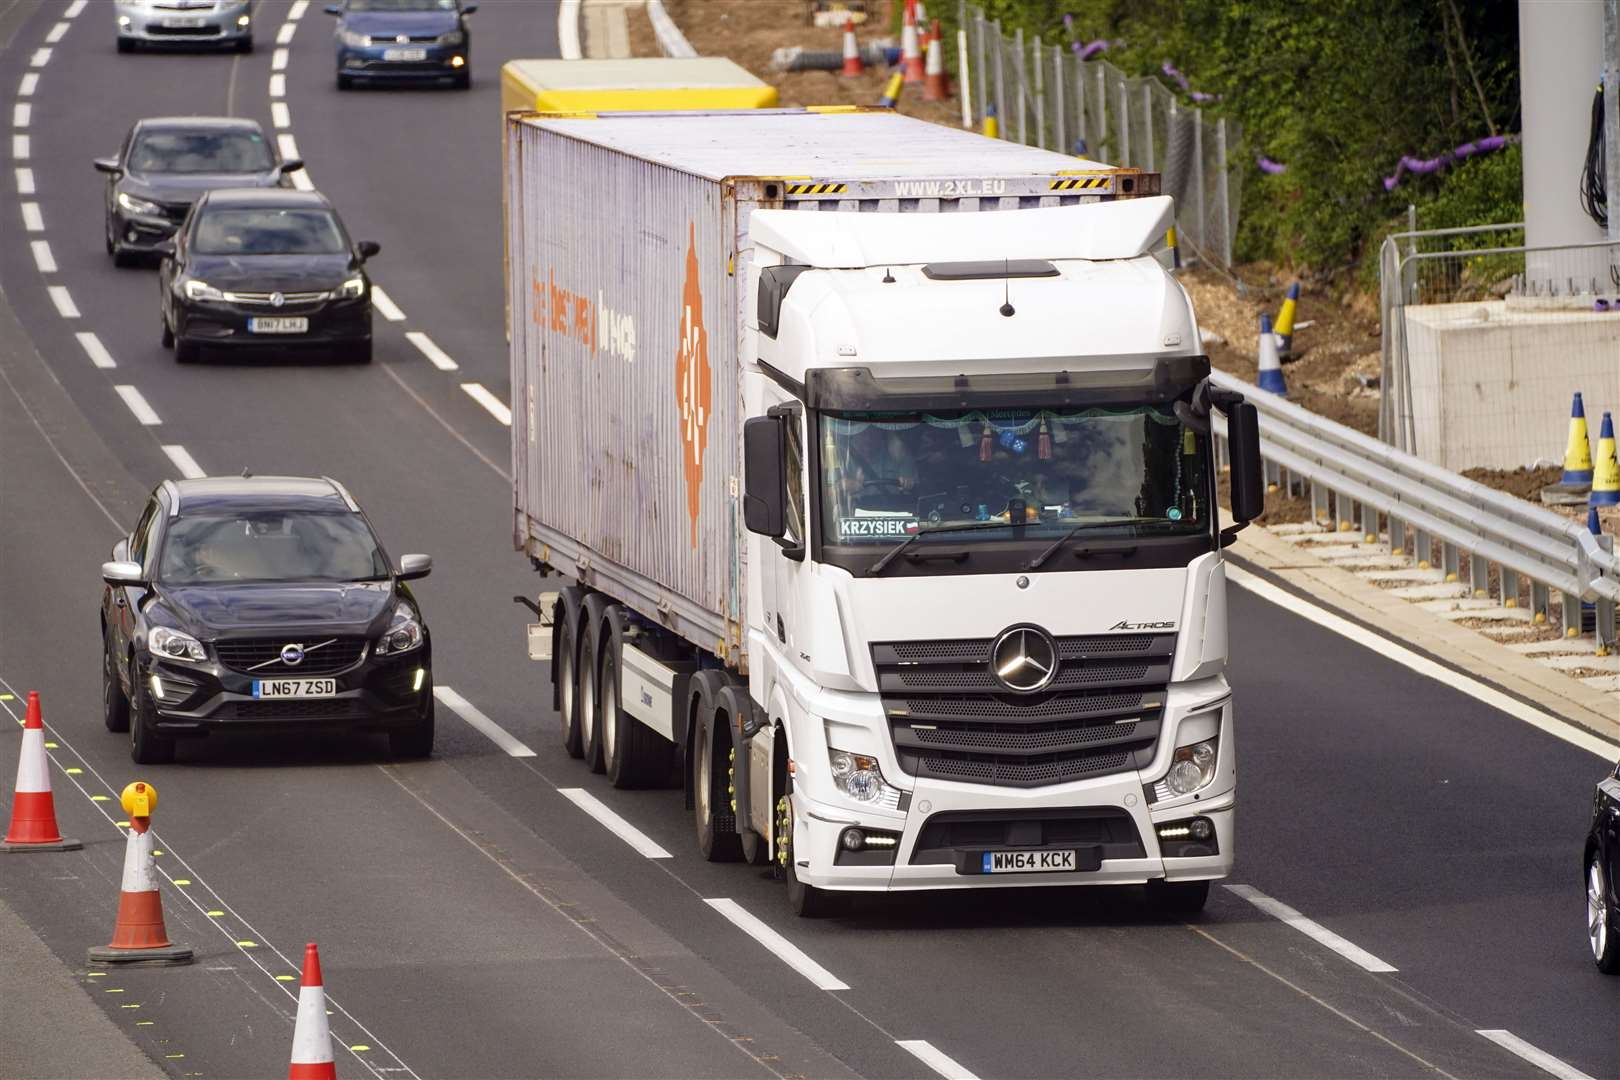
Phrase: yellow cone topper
(139, 799)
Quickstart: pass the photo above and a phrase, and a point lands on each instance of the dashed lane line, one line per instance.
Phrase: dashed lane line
(278, 85)
(284, 33)
(137, 405)
(615, 824)
(189, 469)
(42, 256)
(935, 1059)
(22, 114)
(427, 348)
(40, 58)
(1311, 929)
(280, 115)
(56, 33)
(301, 180)
(74, 9)
(783, 949)
(287, 145)
(97, 352)
(470, 713)
(21, 147)
(278, 60)
(29, 83)
(33, 220)
(25, 181)
(385, 305)
(296, 12)
(63, 300)
(496, 407)
(1537, 1057)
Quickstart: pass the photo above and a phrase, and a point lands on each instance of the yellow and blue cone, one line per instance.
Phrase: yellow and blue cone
(1606, 475)
(992, 125)
(1285, 324)
(891, 93)
(1578, 453)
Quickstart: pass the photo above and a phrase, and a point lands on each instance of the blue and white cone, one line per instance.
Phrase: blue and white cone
(1271, 376)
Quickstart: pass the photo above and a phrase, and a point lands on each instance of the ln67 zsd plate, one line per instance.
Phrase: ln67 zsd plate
(294, 688)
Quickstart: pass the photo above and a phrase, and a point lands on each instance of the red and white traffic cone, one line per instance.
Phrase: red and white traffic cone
(33, 811)
(139, 936)
(911, 61)
(852, 52)
(312, 1036)
(934, 88)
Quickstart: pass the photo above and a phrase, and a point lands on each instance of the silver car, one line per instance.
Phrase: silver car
(205, 23)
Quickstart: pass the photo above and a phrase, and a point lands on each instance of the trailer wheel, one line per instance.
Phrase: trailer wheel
(716, 836)
(634, 754)
(590, 699)
(565, 660)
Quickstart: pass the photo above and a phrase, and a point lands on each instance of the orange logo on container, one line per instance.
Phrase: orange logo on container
(692, 377)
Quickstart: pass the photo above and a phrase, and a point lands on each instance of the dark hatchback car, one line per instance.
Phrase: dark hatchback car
(166, 163)
(1602, 865)
(257, 268)
(264, 602)
(402, 40)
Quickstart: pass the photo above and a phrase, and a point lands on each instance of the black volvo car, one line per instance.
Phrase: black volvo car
(1602, 865)
(261, 602)
(252, 268)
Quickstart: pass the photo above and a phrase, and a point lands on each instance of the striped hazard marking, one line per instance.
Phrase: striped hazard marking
(817, 189)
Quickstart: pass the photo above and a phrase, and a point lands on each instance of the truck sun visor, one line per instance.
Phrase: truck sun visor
(856, 388)
(989, 269)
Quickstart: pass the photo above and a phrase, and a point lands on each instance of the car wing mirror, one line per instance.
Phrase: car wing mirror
(412, 567)
(292, 165)
(368, 249)
(468, 9)
(123, 573)
(333, 9)
(108, 165)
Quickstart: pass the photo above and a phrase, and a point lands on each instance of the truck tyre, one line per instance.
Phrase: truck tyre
(806, 901)
(716, 835)
(589, 678)
(635, 755)
(565, 665)
(1178, 897)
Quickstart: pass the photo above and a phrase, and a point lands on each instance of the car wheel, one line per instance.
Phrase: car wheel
(590, 719)
(1605, 943)
(186, 352)
(114, 703)
(716, 846)
(107, 235)
(1178, 897)
(362, 355)
(805, 901)
(345, 83)
(125, 45)
(415, 741)
(146, 747)
(168, 335)
(245, 45)
(123, 259)
(464, 81)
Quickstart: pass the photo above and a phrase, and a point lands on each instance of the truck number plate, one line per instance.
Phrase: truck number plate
(294, 688)
(1028, 862)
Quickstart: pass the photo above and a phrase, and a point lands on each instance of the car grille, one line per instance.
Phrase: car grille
(159, 30)
(245, 654)
(950, 719)
(315, 709)
(292, 299)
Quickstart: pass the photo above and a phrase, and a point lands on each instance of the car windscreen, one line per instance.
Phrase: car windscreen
(402, 5)
(200, 152)
(268, 231)
(261, 546)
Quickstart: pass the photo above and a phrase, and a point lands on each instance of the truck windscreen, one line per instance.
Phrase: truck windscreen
(889, 476)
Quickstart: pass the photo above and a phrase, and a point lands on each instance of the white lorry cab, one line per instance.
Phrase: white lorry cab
(878, 459)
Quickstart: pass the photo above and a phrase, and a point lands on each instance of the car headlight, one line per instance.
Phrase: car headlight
(243, 19)
(174, 645)
(354, 40)
(201, 290)
(454, 37)
(138, 206)
(352, 289)
(1192, 767)
(859, 777)
(404, 632)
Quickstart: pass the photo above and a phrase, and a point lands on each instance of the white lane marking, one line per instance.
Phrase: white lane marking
(440, 358)
(20, 147)
(56, 33)
(74, 8)
(1552, 725)
(468, 712)
(288, 147)
(278, 85)
(301, 180)
(33, 220)
(931, 1056)
(787, 952)
(278, 60)
(1310, 928)
(21, 114)
(285, 32)
(280, 115)
(385, 305)
(97, 352)
(618, 826)
(568, 30)
(25, 181)
(1539, 1058)
(137, 405)
(43, 257)
(40, 58)
(497, 408)
(296, 12)
(189, 469)
(30, 82)
(63, 300)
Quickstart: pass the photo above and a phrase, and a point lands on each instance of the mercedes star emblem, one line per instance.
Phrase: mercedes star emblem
(1024, 659)
(292, 655)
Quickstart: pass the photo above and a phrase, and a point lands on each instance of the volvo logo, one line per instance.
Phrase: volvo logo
(1024, 659)
(276, 299)
(292, 655)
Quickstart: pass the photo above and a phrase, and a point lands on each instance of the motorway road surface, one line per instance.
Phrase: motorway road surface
(474, 919)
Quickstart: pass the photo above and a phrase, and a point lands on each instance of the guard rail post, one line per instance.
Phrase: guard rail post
(1479, 576)
(1605, 629)
(1510, 588)
(1540, 601)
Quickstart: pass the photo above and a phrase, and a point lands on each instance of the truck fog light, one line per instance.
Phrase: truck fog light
(1202, 828)
(853, 840)
(868, 840)
(1198, 828)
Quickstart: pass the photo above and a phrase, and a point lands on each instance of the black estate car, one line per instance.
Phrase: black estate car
(261, 602)
(1602, 865)
(258, 267)
(165, 163)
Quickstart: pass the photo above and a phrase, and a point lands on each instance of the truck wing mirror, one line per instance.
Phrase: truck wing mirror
(764, 482)
(1248, 472)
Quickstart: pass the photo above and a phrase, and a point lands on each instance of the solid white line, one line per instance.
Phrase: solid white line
(280, 115)
(1539, 1058)
(74, 8)
(40, 58)
(189, 469)
(278, 85)
(288, 147)
(278, 60)
(30, 82)
(1563, 729)
(21, 114)
(1310, 928)
(285, 32)
(296, 12)
(440, 358)
(65, 306)
(568, 30)
(385, 305)
(466, 710)
(301, 180)
(644, 844)
(98, 353)
(789, 953)
(931, 1056)
(33, 220)
(20, 147)
(137, 405)
(497, 408)
(43, 257)
(56, 33)
(25, 181)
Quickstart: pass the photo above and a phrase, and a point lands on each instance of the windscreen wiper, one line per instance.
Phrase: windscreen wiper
(963, 526)
(1035, 563)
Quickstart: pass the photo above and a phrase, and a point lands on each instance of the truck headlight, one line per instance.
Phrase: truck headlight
(404, 632)
(174, 645)
(1192, 767)
(201, 290)
(352, 289)
(859, 777)
(138, 206)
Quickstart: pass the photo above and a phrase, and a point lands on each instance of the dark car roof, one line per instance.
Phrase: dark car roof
(198, 123)
(276, 198)
(214, 494)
